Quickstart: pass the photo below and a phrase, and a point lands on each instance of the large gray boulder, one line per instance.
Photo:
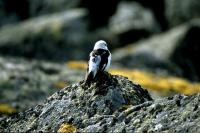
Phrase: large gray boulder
(175, 51)
(132, 22)
(59, 36)
(84, 107)
(110, 104)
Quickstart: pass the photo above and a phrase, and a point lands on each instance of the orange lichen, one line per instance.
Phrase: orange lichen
(82, 65)
(66, 128)
(6, 109)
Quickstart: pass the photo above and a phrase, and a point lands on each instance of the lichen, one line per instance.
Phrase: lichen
(82, 65)
(6, 109)
(66, 128)
(60, 84)
(159, 83)
(162, 84)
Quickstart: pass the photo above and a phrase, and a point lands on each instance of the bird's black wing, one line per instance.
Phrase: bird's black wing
(104, 59)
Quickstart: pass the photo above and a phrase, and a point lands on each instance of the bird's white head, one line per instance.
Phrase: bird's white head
(100, 45)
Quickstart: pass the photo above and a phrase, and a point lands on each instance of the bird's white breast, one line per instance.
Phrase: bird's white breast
(94, 63)
(109, 61)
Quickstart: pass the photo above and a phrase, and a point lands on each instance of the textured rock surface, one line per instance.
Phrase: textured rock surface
(112, 104)
(82, 106)
(61, 30)
(24, 84)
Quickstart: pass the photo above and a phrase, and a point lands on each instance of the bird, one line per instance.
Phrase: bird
(99, 61)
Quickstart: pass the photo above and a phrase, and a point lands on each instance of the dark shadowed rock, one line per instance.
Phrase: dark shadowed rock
(175, 51)
(56, 36)
(132, 22)
(15, 11)
(180, 11)
(186, 54)
(100, 11)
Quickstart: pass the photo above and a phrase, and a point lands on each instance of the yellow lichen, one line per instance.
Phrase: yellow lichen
(124, 107)
(161, 84)
(60, 84)
(66, 128)
(6, 109)
(82, 65)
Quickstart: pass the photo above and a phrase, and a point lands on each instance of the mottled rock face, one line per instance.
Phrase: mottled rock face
(110, 104)
(24, 84)
(80, 105)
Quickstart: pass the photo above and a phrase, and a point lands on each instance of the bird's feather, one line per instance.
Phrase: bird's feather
(99, 61)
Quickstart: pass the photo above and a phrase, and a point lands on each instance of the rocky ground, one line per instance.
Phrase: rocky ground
(26, 83)
(110, 104)
(44, 46)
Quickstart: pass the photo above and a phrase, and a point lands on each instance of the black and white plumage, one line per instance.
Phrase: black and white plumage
(100, 59)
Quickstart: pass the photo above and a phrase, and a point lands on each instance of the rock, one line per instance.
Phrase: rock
(108, 35)
(110, 104)
(133, 22)
(16, 11)
(59, 36)
(24, 83)
(186, 54)
(180, 11)
(86, 108)
(38, 7)
(166, 52)
(158, 9)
